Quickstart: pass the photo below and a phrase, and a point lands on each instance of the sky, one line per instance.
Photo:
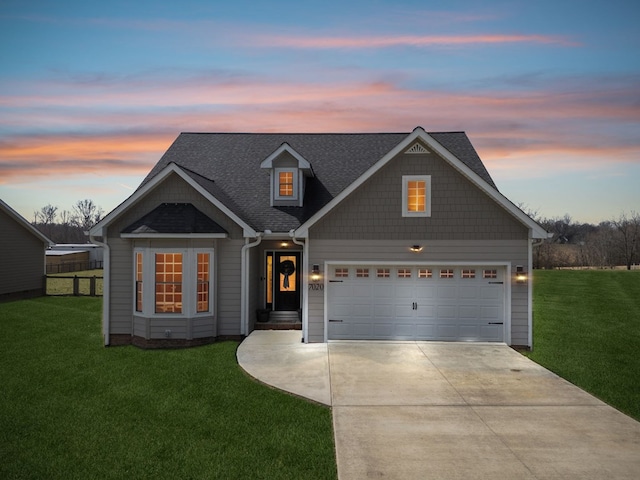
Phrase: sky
(92, 93)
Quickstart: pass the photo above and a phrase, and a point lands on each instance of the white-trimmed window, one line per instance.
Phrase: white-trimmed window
(286, 187)
(416, 195)
(173, 281)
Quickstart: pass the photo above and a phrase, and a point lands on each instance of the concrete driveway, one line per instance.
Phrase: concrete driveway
(431, 410)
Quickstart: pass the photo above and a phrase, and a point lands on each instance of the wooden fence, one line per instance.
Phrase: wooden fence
(74, 285)
(68, 267)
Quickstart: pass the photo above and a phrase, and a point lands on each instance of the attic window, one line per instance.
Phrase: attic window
(285, 184)
(416, 196)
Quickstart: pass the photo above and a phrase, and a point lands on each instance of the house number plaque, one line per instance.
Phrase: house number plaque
(316, 286)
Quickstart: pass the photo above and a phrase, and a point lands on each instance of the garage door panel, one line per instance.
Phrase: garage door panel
(426, 331)
(467, 313)
(408, 304)
(384, 330)
(447, 291)
(405, 330)
(447, 332)
(447, 311)
(469, 292)
(425, 292)
(491, 332)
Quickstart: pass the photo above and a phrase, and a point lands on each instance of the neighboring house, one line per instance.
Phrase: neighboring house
(361, 236)
(22, 256)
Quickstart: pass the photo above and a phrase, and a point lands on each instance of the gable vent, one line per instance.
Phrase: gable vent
(417, 148)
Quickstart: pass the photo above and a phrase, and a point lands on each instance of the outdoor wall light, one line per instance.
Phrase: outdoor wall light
(416, 248)
(284, 244)
(521, 275)
(315, 272)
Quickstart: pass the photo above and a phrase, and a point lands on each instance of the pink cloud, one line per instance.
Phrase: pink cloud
(387, 41)
(127, 126)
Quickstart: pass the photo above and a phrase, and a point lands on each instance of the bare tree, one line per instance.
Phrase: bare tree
(86, 214)
(627, 239)
(46, 217)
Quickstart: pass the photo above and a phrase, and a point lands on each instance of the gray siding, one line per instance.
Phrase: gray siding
(21, 257)
(514, 251)
(227, 269)
(459, 209)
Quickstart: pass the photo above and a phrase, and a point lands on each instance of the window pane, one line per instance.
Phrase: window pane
(468, 273)
(168, 283)
(285, 183)
(138, 281)
(382, 273)
(425, 273)
(416, 195)
(362, 272)
(203, 282)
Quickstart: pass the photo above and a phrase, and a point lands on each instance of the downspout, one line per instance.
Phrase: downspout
(305, 285)
(244, 283)
(106, 298)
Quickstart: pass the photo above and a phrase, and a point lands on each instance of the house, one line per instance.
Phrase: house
(22, 256)
(354, 236)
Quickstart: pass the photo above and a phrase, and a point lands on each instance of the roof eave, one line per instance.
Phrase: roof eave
(98, 229)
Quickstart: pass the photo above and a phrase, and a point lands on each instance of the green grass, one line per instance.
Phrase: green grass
(72, 409)
(587, 330)
(64, 286)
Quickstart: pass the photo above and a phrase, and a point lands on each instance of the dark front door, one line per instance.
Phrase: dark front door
(286, 281)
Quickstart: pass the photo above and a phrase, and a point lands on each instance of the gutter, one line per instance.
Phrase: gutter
(106, 298)
(244, 283)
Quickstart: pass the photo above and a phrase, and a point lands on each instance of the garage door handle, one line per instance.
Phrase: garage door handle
(496, 283)
(333, 320)
(496, 323)
(336, 281)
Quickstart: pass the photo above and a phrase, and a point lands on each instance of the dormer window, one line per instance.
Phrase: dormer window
(285, 183)
(288, 173)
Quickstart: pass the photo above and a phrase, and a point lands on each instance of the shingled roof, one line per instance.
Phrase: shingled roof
(174, 218)
(227, 165)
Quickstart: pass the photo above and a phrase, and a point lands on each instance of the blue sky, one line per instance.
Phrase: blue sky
(92, 93)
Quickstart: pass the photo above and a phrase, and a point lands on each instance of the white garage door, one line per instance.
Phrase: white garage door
(455, 303)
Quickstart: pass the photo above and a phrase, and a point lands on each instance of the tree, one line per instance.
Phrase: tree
(46, 216)
(627, 239)
(86, 214)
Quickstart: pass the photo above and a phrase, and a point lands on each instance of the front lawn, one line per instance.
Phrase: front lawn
(587, 330)
(72, 409)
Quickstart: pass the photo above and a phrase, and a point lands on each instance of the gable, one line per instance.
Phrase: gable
(459, 209)
(175, 219)
(10, 219)
(175, 190)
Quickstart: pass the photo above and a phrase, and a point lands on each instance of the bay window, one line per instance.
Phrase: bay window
(173, 282)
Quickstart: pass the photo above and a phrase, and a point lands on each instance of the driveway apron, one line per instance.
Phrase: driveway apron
(423, 410)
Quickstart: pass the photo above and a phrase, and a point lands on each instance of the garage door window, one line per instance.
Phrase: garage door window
(404, 273)
(362, 273)
(468, 273)
(342, 272)
(489, 274)
(425, 273)
(383, 273)
(446, 273)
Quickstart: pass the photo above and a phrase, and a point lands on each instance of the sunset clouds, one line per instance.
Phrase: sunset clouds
(105, 94)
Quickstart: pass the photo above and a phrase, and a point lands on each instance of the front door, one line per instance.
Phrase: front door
(286, 281)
